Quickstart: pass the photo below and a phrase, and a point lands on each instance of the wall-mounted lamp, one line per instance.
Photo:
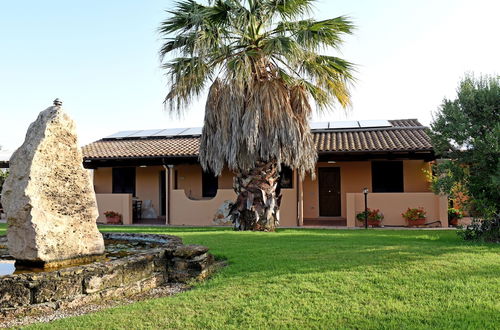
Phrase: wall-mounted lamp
(365, 191)
(331, 162)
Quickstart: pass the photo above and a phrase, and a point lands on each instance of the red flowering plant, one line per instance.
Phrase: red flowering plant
(113, 217)
(374, 214)
(414, 214)
(112, 214)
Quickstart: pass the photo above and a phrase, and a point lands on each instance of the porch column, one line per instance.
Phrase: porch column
(442, 201)
(350, 210)
(300, 201)
(168, 189)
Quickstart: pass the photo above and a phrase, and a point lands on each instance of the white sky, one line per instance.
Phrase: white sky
(100, 58)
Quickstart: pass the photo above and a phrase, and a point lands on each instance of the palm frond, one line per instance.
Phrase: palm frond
(315, 35)
(264, 71)
(188, 76)
(291, 9)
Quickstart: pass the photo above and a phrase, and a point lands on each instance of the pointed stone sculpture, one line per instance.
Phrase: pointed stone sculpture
(48, 196)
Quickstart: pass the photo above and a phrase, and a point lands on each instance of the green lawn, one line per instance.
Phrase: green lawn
(324, 279)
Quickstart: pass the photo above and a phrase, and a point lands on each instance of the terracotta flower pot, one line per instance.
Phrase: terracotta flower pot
(114, 220)
(374, 223)
(416, 222)
(454, 221)
(371, 222)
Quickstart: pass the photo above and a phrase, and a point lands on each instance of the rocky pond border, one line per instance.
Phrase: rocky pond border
(170, 262)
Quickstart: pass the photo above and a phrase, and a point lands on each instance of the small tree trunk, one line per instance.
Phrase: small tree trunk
(258, 202)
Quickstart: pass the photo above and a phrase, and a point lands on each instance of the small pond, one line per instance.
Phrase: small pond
(114, 249)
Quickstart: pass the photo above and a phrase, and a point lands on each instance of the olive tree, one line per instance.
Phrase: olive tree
(466, 133)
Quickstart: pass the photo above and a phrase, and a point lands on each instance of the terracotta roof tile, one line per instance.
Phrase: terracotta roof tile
(405, 135)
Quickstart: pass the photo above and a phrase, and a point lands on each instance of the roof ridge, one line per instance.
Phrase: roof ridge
(367, 129)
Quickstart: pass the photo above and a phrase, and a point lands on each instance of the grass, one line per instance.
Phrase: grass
(324, 279)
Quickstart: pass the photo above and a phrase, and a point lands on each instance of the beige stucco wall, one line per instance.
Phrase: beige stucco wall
(190, 212)
(354, 176)
(414, 176)
(121, 203)
(393, 204)
(189, 208)
(288, 209)
(147, 183)
(186, 211)
(189, 178)
(103, 180)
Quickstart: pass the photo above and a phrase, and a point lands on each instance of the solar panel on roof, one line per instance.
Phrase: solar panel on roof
(169, 132)
(192, 131)
(145, 133)
(344, 124)
(121, 134)
(319, 125)
(374, 123)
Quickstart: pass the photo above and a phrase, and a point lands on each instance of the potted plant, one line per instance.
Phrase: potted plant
(453, 216)
(113, 217)
(375, 217)
(415, 216)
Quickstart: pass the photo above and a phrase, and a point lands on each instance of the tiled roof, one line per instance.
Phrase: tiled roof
(404, 135)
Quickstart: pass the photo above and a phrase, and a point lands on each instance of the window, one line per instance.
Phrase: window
(286, 178)
(210, 184)
(124, 180)
(387, 176)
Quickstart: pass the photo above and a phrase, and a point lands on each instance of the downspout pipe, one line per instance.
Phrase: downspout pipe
(168, 179)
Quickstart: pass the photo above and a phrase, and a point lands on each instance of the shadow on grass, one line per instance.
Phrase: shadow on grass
(324, 279)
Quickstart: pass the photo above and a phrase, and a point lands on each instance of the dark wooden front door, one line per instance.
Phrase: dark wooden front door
(329, 191)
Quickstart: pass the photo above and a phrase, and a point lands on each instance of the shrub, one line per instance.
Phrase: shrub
(112, 214)
(454, 213)
(414, 214)
(483, 230)
(372, 215)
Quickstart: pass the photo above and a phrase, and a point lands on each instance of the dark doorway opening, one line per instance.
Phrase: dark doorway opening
(124, 180)
(329, 191)
(387, 176)
(210, 184)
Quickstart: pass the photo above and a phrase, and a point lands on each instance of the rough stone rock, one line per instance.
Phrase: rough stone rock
(188, 251)
(48, 197)
(222, 216)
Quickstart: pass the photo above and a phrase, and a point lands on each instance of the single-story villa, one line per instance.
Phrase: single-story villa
(155, 175)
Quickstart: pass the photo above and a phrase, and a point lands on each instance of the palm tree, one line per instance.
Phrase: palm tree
(261, 60)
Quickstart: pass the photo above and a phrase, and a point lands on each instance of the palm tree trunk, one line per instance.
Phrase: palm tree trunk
(258, 202)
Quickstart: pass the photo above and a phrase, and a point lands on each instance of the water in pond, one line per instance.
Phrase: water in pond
(7, 267)
(114, 249)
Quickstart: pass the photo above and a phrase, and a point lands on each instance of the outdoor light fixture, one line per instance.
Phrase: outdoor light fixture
(365, 191)
(331, 162)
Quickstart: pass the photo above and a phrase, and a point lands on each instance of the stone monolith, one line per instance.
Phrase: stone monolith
(48, 196)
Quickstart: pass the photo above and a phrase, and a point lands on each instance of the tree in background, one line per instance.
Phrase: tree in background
(261, 61)
(3, 176)
(466, 133)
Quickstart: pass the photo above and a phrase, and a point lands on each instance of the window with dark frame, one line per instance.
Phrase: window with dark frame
(209, 183)
(286, 178)
(387, 176)
(124, 180)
